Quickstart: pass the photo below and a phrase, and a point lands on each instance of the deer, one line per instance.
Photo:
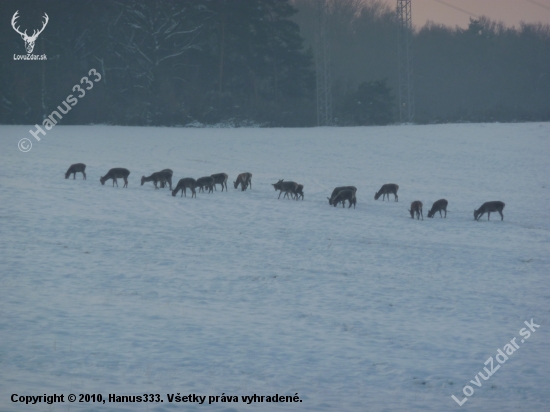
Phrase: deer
(244, 179)
(183, 184)
(344, 195)
(221, 179)
(438, 206)
(163, 183)
(162, 177)
(74, 169)
(299, 191)
(338, 190)
(386, 190)
(116, 173)
(29, 40)
(416, 207)
(287, 187)
(207, 181)
(488, 207)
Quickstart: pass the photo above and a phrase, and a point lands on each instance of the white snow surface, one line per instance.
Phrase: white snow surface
(128, 291)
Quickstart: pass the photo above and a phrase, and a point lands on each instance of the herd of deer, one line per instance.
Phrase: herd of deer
(291, 189)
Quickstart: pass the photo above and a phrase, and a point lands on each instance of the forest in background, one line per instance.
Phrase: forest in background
(251, 62)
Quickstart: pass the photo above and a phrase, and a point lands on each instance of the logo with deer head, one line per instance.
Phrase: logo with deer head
(29, 40)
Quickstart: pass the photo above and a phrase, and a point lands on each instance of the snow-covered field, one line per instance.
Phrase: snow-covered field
(128, 291)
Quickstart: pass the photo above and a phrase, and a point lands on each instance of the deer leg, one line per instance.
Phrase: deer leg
(501, 215)
(396, 198)
(421, 214)
(125, 182)
(194, 193)
(280, 194)
(114, 181)
(488, 215)
(74, 175)
(84, 175)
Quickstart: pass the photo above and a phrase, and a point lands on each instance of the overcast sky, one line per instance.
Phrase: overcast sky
(455, 12)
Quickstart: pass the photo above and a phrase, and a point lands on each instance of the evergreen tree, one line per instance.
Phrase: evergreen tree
(371, 104)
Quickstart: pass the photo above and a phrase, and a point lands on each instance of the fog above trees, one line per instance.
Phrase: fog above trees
(246, 62)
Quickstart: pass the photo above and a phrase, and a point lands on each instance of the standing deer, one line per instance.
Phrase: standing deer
(116, 173)
(386, 190)
(162, 177)
(344, 195)
(208, 182)
(287, 187)
(244, 179)
(488, 207)
(76, 168)
(299, 192)
(416, 207)
(338, 190)
(438, 206)
(220, 179)
(183, 184)
(29, 40)
(163, 184)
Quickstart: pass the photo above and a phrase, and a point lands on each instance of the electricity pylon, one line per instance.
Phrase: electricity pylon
(406, 97)
(322, 66)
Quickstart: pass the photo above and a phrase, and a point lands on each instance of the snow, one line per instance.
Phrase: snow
(129, 291)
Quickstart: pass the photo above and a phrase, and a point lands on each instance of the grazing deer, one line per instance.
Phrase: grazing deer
(207, 181)
(29, 40)
(116, 173)
(244, 179)
(438, 206)
(221, 179)
(287, 187)
(416, 207)
(163, 184)
(299, 192)
(162, 177)
(386, 190)
(488, 207)
(76, 168)
(344, 195)
(183, 184)
(338, 190)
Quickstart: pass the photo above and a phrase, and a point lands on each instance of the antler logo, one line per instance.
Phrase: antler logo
(29, 40)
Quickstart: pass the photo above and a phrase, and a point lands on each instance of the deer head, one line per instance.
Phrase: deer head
(29, 40)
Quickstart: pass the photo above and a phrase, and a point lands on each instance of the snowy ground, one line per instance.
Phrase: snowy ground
(128, 291)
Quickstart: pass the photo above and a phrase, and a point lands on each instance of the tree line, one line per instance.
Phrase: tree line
(251, 62)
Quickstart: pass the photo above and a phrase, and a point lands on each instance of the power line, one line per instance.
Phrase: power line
(538, 4)
(457, 8)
